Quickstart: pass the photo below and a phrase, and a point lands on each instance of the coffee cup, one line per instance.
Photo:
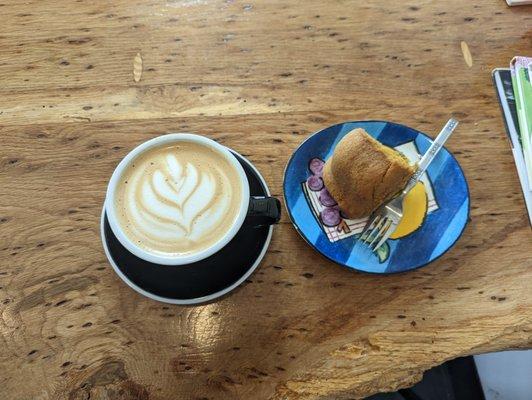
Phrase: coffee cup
(180, 198)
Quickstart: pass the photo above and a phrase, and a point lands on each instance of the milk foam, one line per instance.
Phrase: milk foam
(178, 199)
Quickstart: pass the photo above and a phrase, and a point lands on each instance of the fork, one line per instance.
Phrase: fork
(384, 221)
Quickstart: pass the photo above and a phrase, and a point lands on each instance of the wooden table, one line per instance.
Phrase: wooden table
(83, 82)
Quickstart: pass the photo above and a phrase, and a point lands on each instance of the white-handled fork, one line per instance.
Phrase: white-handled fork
(384, 221)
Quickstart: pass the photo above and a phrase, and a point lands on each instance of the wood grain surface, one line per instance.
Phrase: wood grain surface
(83, 82)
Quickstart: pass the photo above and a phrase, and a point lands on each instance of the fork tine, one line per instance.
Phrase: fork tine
(369, 228)
(379, 230)
(381, 233)
(366, 231)
(374, 230)
(366, 227)
(391, 229)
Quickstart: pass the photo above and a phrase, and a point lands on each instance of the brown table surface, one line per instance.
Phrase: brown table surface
(259, 76)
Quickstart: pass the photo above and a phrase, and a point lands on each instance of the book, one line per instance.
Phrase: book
(520, 68)
(502, 80)
(518, 2)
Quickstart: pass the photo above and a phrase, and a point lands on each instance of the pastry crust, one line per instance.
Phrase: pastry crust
(362, 173)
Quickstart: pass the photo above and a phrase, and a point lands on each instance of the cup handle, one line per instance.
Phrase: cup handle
(263, 211)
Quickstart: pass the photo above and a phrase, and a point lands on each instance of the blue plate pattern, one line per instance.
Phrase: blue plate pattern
(439, 231)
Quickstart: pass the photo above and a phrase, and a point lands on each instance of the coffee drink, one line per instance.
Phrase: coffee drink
(178, 199)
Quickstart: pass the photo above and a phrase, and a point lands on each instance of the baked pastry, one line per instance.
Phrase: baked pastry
(362, 173)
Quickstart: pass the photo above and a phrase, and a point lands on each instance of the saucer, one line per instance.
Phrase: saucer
(445, 186)
(201, 281)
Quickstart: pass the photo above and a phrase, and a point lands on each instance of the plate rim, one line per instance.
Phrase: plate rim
(357, 269)
(195, 300)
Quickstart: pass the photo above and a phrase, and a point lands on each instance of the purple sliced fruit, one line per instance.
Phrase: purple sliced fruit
(315, 183)
(326, 199)
(330, 216)
(316, 166)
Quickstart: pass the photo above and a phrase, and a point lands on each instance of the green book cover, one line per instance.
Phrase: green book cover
(521, 69)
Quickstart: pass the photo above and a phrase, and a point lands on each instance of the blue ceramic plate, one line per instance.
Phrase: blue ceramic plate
(447, 204)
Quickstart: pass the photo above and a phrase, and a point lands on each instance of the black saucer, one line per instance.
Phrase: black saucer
(203, 280)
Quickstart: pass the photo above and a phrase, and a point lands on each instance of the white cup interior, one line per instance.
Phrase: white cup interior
(174, 259)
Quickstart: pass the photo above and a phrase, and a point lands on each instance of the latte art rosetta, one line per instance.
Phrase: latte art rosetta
(178, 199)
(175, 197)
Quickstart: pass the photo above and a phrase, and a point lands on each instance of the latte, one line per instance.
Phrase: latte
(178, 199)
